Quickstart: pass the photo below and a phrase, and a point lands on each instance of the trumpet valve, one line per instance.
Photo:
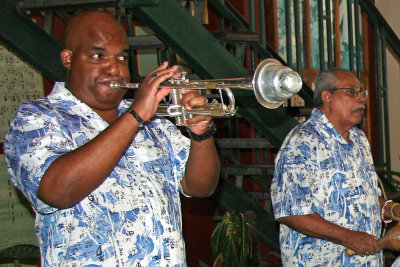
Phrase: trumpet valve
(180, 80)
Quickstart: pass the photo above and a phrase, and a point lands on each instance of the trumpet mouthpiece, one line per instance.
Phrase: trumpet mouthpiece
(114, 85)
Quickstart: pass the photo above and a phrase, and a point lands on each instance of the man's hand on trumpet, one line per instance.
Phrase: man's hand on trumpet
(148, 96)
(198, 124)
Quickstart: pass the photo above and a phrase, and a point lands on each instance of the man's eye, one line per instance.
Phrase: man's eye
(356, 91)
(122, 58)
(97, 56)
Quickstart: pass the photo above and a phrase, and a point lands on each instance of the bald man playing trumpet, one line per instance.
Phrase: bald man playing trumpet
(103, 174)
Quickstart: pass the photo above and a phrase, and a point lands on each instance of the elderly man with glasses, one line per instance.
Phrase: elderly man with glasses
(325, 190)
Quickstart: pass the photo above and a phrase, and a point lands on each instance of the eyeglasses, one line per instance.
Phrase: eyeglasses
(353, 92)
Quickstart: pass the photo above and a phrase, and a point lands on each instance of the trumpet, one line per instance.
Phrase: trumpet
(272, 84)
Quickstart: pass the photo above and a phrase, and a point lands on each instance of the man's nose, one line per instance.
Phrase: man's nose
(361, 98)
(112, 68)
(362, 94)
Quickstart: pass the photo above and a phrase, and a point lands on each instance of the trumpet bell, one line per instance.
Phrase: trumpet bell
(274, 83)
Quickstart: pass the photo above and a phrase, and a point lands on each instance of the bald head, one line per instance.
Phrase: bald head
(85, 24)
(95, 54)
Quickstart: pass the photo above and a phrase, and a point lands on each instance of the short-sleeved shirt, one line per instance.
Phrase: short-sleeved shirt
(318, 171)
(133, 218)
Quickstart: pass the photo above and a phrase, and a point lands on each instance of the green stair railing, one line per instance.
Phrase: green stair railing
(384, 36)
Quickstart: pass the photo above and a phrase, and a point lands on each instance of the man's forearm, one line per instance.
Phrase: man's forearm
(202, 169)
(314, 225)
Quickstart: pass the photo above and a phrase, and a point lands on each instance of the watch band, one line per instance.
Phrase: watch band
(200, 137)
(136, 116)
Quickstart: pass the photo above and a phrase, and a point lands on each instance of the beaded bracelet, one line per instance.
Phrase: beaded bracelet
(137, 117)
(383, 211)
(392, 209)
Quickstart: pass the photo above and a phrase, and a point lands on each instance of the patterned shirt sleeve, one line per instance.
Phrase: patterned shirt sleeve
(32, 143)
(295, 171)
(181, 147)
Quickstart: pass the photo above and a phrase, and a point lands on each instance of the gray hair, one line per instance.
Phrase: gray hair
(326, 80)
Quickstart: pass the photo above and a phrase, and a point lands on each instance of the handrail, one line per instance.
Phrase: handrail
(385, 35)
(376, 17)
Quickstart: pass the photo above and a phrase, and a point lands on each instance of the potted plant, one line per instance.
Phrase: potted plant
(233, 241)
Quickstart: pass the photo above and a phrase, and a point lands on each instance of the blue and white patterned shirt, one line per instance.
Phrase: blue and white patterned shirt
(133, 218)
(317, 171)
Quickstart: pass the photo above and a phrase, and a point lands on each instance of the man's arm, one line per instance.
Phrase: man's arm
(203, 165)
(74, 175)
(202, 169)
(314, 225)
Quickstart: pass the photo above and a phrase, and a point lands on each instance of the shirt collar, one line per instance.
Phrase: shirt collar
(61, 93)
(327, 130)
(61, 97)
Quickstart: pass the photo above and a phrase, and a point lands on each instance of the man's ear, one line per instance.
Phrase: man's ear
(326, 96)
(66, 58)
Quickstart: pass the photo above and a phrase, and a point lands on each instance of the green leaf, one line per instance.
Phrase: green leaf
(229, 254)
(218, 238)
(245, 239)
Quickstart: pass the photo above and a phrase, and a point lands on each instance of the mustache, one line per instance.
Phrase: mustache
(105, 81)
(111, 79)
(360, 107)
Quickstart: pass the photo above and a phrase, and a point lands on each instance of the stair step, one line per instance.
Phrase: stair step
(227, 143)
(76, 4)
(256, 170)
(236, 36)
(145, 42)
(259, 195)
(298, 111)
(63, 4)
